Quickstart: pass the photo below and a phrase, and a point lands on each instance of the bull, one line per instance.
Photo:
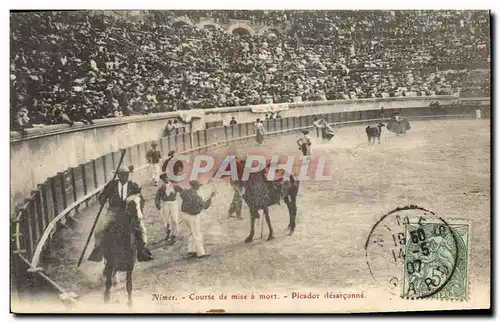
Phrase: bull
(373, 132)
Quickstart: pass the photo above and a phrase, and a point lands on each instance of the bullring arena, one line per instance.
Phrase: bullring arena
(441, 165)
(403, 224)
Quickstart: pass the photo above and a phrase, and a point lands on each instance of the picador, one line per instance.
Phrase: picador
(116, 193)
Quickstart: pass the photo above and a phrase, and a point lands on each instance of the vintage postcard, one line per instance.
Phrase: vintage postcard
(250, 161)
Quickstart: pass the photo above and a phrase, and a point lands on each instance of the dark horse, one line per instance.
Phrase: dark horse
(119, 245)
(261, 193)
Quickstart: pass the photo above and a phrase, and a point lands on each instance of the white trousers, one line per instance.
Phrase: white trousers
(155, 172)
(170, 215)
(195, 243)
(478, 114)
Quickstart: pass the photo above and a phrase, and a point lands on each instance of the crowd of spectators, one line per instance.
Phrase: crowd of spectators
(80, 66)
(476, 84)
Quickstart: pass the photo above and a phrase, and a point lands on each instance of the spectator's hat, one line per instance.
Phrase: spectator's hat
(305, 132)
(171, 153)
(154, 144)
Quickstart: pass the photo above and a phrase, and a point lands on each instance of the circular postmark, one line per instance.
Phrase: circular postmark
(412, 252)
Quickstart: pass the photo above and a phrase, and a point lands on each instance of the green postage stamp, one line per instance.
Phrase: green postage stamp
(436, 260)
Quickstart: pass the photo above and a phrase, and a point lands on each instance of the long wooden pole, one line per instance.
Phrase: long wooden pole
(124, 151)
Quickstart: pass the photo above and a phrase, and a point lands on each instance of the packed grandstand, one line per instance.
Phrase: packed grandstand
(81, 66)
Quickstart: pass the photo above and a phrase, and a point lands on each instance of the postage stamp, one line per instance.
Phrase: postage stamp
(436, 260)
(416, 254)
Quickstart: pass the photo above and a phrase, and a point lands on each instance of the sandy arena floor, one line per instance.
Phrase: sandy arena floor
(443, 166)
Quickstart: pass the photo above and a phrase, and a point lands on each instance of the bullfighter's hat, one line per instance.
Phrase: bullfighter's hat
(123, 170)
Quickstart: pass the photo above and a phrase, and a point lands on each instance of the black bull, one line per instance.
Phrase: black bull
(373, 132)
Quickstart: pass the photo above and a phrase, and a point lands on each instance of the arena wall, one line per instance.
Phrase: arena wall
(45, 152)
(49, 151)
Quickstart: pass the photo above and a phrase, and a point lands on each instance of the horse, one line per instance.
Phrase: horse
(261, 193)
(327, 131)
(119, 245)
(398, 125)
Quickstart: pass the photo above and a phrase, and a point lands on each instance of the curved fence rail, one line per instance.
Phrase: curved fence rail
(54, 204)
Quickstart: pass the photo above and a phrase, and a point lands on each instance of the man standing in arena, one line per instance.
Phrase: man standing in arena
(381, 113)
(153, 157)
(259, 131)
(116, 194)
(166, 202)
(192, 209)
(304, 143)
(317, 125)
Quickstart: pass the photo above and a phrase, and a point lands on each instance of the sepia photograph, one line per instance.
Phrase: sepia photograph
(250, 161)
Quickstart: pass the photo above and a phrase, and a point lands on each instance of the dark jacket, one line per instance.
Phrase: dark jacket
(161, 194)
(192, 203)
(110, 193)
(153, 156)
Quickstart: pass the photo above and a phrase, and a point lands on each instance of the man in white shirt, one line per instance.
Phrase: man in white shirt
(166, 203)
(304, 143)
(153, 157)
(116, 194)
(317, 125)
(259, 131)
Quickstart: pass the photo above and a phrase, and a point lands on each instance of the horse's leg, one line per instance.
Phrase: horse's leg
(109, 281)
(268, 220)
(289, 206)
(115, 278)
(129, 286)
(103, 276)
(293, 207)
(252, 225)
